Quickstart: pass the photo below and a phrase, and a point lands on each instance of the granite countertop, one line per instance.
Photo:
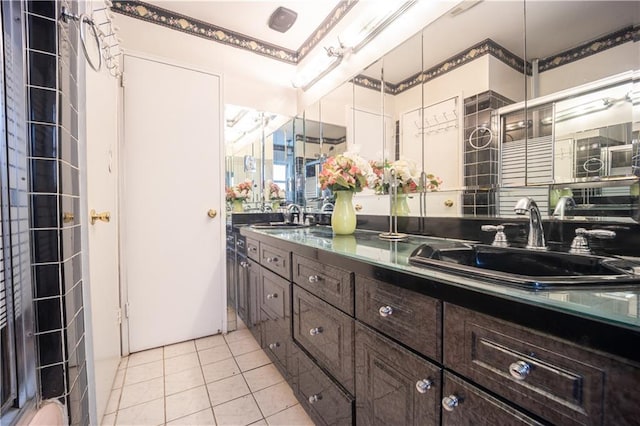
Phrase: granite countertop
(616, 307)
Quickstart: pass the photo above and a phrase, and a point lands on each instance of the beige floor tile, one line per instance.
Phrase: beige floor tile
(201, 418)
(210, 342)
(179, 349)
(114, 401)
(215, 354)
(108, 420)
(147, 414)
(184, 380)
(227, 389)
(142, 392)
(220, 370)
(252, 360)
(186, 403)
(243, 346)
(124, 361)
(241, 324)
(237, 335)
(145, 357)
(275, 398)
(241, 411)
(263, 377)
(261, 422)
(181, 363)
(118, 380)
(291, 416)
(143, 372)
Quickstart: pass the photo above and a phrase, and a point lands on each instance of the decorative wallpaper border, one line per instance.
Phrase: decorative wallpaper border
(157, 15)
(490, 47)
(590, 48)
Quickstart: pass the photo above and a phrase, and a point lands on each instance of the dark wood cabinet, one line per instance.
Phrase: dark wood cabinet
(242, 283)
(465, 404)
(331, 284)
(275, 259)
(409, 317)
(326, 333)
(252, 284)
(274, 298)
(559, 381)
(322, 398)
(393, 385)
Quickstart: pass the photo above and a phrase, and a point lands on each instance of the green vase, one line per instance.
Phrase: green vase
(343, 218)
(400, 205)
(236, 206)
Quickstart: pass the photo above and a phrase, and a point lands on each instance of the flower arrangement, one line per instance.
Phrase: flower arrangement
(406, 173)
(346, 172)
(239, 192)
(273, 191)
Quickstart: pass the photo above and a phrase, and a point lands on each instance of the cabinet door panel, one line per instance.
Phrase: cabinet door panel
(254, 272)
(276, 341)
(393, 385)
(411, 318)
(469, 405)
(274, 295)
(331, 284)
(321, 397)
(326, 333)
(242, 280)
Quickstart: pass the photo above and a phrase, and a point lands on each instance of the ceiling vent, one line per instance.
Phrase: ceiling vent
(282, 19)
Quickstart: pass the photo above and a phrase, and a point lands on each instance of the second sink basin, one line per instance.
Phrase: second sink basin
(528, 268)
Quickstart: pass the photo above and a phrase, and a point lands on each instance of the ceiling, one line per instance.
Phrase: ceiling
(250, 17)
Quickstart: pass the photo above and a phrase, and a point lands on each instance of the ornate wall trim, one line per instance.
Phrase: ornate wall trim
(157, 15)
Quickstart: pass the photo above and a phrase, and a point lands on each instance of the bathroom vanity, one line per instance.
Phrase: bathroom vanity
(364, 337)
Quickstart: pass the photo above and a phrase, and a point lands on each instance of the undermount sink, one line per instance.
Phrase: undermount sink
(279, 225)
(527, 268)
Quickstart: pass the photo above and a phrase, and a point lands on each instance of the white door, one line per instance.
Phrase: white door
(172, 251)
(102, 186)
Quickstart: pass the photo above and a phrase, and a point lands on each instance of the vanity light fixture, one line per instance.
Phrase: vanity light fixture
(317, 68)
(378, 16)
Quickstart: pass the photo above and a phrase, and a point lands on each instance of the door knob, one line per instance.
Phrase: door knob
(104, 216)
(212, 213)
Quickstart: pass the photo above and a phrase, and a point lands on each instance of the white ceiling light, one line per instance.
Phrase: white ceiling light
(316, 68)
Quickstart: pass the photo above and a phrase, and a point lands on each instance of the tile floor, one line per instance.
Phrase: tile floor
(216, 380)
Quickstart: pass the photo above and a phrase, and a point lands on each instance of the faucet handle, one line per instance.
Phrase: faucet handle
(580, 244)
(500, 240)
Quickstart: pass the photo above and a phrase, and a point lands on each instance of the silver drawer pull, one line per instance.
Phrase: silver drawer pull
(519, 370)
(272, 296)
(315, 398)
(385, 311)
(274, 346)
(314, 279)
(424, 385)
(450, 402)
(244, 264)
(272, 259)
(315, 331)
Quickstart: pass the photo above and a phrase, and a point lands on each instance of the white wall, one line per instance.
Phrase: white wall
(249, 79)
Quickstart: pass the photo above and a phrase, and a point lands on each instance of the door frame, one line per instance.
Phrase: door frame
(124, 285)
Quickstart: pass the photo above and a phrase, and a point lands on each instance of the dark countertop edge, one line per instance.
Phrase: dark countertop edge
(613, 339)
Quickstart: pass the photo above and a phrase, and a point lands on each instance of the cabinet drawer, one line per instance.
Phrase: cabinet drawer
(407, 316)
(554, 379)
(331, 284)
(393, 385)
(279, 261)
(253, 248)
(276, 341)
(274, 295)
(322, 398)
(241, 245)
(326, 333)
(464, 404)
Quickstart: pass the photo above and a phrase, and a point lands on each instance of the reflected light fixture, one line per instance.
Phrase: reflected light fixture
(317, 68)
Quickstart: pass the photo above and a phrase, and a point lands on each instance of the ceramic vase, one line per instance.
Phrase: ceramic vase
(236, 206)
(343, 218)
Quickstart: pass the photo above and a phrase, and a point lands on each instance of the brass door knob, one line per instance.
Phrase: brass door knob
(212, 213)
(104, 216)
(358, 207)
(448, 203)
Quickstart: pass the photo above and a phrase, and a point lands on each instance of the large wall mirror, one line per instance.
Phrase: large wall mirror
(541, 102)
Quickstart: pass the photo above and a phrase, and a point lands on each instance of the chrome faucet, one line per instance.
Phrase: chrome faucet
(326, 207)
(535, 238)
(564, 203)
(289, 212)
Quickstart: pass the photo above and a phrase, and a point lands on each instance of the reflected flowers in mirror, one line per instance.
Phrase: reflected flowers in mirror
(407, 175)
(239, 192)
(273, 191)
(346, 172)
